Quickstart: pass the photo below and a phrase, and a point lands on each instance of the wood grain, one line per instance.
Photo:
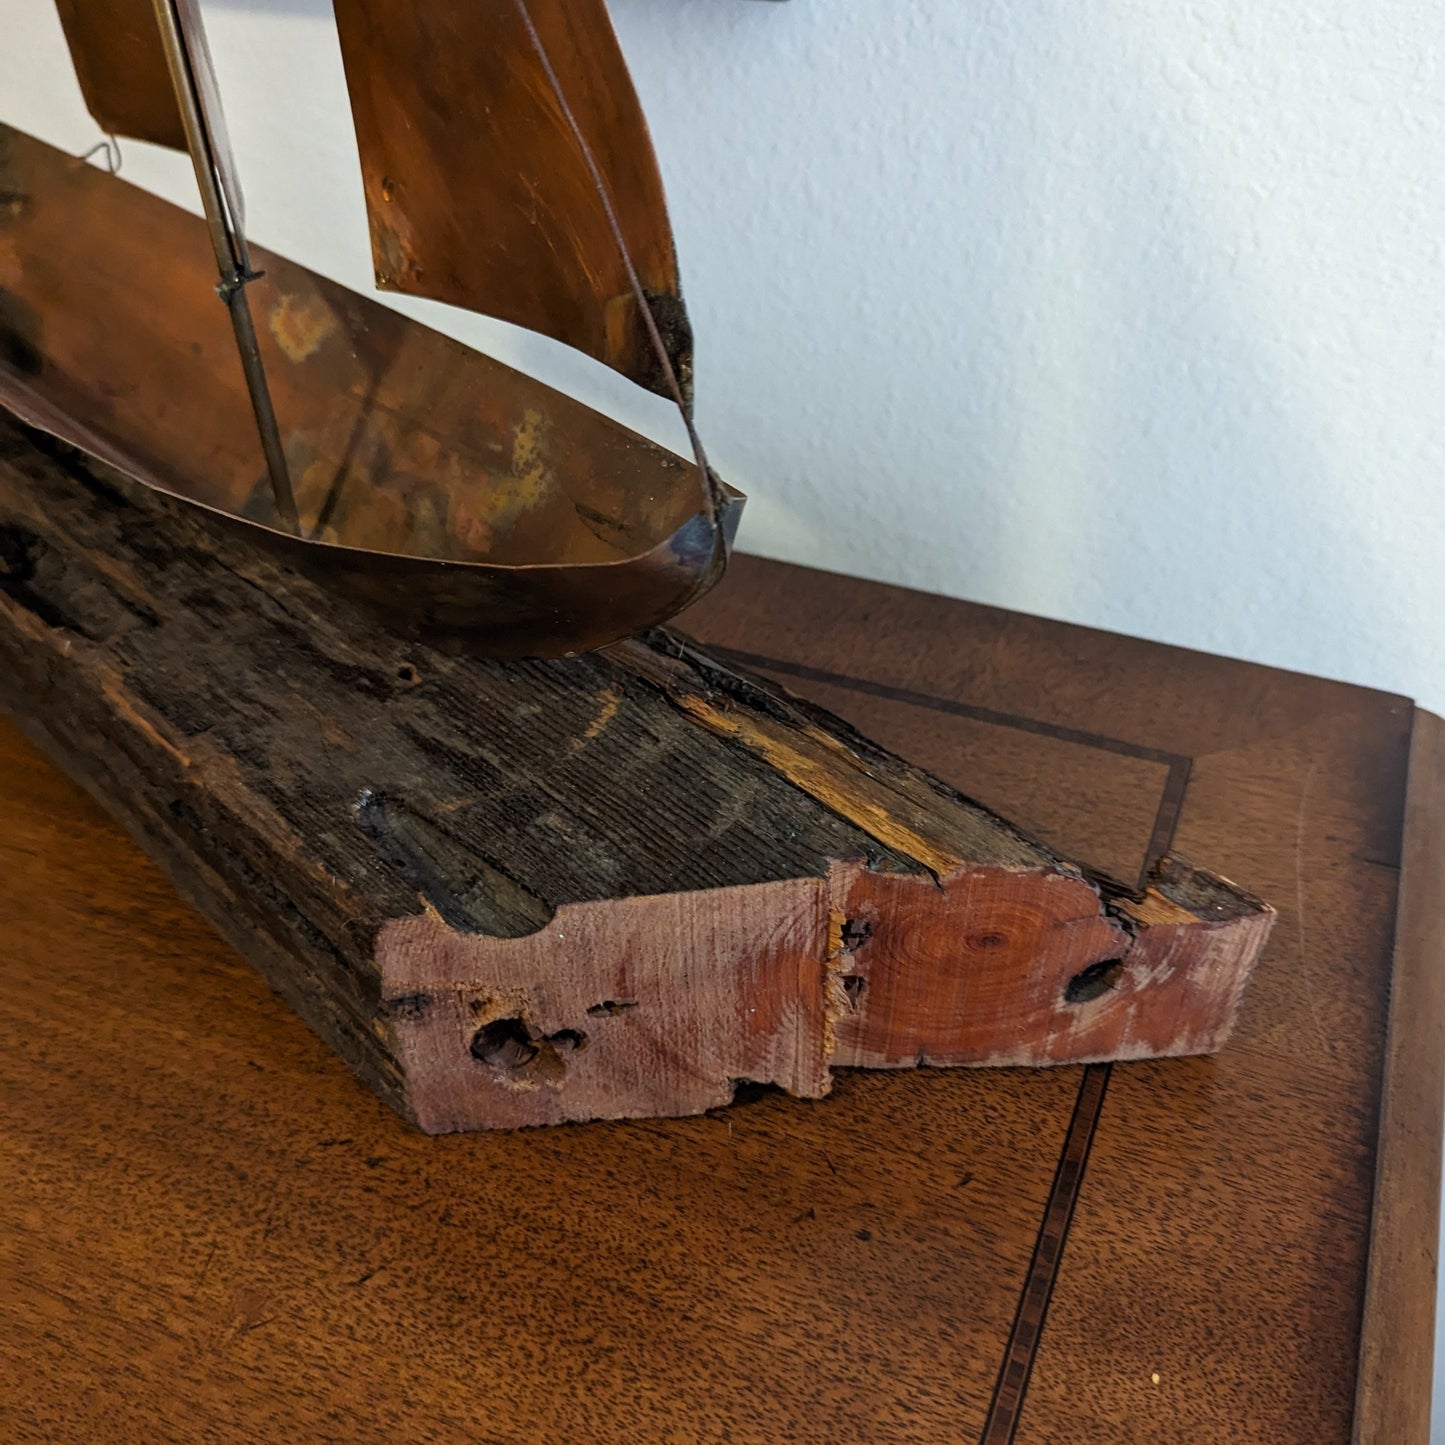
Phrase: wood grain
(1131, 794)
(1221, 1233)
(1262, 1172)
(545, 892)
(1396, 1348)
(211, 1232)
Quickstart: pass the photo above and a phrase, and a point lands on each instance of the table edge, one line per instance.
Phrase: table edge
(1397, 1337)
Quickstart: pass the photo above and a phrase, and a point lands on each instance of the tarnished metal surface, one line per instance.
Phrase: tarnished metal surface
(469, 503)
(478, 190)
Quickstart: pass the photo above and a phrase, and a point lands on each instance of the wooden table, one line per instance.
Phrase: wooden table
(210, 1231)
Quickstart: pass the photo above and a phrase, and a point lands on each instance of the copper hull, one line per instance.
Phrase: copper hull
(472, 505)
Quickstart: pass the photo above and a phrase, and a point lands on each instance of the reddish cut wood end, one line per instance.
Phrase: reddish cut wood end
(663, 1005)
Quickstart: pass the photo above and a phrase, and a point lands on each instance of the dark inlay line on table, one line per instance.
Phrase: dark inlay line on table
(1166, 817)
(1033, 1307)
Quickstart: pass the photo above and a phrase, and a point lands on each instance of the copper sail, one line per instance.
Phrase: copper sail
(120, 61)
(121, 66)
(478, 190)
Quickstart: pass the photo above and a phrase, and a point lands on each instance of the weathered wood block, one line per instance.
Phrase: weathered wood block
(525, 893)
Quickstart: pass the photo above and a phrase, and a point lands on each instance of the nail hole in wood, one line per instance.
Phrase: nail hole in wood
(18, 551)
(407, 673)
(409, 1006)
(1093, 982)
(504, 1044)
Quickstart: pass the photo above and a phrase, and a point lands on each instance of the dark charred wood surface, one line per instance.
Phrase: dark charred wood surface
(433, 857)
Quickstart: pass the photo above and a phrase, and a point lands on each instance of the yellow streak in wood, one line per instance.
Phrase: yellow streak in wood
(611, 701)
(824, 781)
(836, 1004)
(300, 326)
(112, 690)
(1155, 910)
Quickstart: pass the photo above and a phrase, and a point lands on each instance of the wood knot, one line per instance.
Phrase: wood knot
(985, 940)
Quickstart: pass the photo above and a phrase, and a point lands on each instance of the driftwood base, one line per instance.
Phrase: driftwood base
(526, 893)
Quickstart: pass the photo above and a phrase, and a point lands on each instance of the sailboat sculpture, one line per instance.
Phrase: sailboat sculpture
(506, 895)
(507, 169)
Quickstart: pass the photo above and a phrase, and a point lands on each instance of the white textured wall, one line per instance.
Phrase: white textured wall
(1127, 313)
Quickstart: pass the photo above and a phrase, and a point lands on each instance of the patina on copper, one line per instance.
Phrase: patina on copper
(478, 190)
(471, 504)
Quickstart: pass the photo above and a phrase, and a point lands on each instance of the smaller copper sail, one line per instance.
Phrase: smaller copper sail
(121, 66)
(120, 60)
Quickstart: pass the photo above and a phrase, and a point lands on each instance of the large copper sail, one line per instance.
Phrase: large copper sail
(478, 191)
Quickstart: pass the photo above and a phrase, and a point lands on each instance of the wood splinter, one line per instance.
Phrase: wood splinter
(526, 893)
